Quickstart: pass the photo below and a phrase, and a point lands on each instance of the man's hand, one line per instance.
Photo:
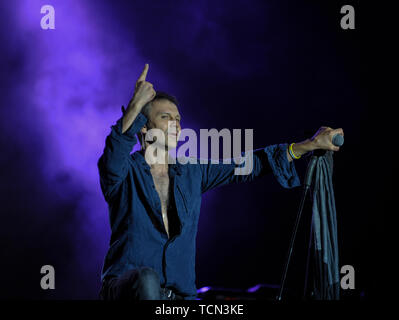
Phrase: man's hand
(323, 138)
(143, 91)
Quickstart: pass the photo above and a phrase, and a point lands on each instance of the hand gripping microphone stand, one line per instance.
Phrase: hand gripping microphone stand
(338, 141)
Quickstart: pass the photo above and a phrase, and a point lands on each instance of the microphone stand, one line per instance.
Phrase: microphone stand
(308, 182)
(337, 140)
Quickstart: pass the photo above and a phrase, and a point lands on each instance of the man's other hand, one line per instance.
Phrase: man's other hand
(323, 138)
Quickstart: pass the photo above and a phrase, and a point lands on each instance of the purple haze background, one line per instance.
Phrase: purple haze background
(274, 66)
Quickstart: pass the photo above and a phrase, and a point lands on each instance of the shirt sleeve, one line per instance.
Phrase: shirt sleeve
(283, 170)
(113, 163)
(271, 159)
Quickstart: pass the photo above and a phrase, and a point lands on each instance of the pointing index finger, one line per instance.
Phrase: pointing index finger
(144, 73)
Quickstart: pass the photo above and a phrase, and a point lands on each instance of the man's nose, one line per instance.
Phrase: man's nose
(174, 124)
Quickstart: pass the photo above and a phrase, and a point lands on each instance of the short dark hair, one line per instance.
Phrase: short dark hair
(158, 96)
(146, 109)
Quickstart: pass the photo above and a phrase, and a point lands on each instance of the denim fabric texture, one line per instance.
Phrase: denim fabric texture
(138, 236)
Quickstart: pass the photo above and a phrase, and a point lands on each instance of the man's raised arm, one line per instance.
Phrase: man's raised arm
(113, 163)
(143, 93)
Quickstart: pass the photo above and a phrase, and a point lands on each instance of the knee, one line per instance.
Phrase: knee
(148, 275)
(147, 286)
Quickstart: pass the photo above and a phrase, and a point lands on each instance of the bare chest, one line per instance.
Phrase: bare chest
(161, 181)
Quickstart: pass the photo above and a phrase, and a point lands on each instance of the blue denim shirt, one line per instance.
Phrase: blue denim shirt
(138, 235)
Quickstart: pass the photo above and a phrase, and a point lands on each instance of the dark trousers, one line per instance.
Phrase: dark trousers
(136, 284)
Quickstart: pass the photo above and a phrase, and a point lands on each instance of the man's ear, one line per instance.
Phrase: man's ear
(141, 135)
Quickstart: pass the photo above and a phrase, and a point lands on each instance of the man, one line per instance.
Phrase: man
(154, 207)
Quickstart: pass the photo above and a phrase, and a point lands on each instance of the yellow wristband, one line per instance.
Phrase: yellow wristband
(292, 154)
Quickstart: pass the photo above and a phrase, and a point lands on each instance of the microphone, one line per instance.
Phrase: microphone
(338, 140)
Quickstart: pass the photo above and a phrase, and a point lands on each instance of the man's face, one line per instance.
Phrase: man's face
(164, 115)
